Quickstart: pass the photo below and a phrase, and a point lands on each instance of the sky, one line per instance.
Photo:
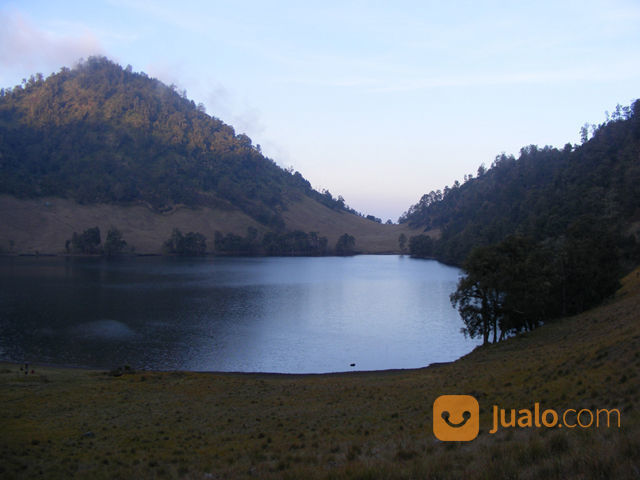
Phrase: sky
(379, 102)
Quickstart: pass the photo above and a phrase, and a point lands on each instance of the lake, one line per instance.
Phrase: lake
(276, 314)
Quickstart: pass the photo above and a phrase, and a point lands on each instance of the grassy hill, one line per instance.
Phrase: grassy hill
(58, 423)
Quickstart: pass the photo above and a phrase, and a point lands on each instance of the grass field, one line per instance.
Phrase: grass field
(58, 423)
(44, 225)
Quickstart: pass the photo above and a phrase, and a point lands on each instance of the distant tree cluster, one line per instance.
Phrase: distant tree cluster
(421, 246)
(232, 244)
(346, 245)
(191, 244)
(114, 243)
(295, 243)
(89, 243)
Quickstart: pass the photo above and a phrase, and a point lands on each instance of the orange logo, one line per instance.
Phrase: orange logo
(456, 418)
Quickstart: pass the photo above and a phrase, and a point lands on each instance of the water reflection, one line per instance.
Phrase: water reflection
(230, 314)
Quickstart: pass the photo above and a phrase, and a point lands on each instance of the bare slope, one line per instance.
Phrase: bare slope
(60, 423)
(44, 224)
(371, 237)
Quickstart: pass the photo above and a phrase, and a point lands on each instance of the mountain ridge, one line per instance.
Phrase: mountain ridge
(100, 134)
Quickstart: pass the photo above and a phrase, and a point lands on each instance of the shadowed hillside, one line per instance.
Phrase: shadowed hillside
(542, 193)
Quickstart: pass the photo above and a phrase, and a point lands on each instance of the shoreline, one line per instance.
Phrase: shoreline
(6, 364)
(208, 254)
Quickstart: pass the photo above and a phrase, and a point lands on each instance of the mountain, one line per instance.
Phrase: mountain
(101, 143)
(542, 195)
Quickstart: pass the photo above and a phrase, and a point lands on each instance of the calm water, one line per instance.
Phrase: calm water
(290, 315)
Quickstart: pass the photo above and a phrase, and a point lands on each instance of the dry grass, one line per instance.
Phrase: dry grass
(371, 237)
(44, 225)
(59, 423)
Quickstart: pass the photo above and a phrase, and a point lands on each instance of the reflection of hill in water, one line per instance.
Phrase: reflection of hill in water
(289, 315)
(103, 329)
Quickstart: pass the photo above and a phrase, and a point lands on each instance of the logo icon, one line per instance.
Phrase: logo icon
(456, 418)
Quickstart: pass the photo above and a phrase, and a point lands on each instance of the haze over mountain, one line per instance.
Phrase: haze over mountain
(102, 139)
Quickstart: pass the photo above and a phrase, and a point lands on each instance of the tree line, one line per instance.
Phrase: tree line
(295, 243)
(89, 242)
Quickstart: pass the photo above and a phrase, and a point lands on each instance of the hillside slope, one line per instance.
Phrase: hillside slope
(542, 193)
(101, 145)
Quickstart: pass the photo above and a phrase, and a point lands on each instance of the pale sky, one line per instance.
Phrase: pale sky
(379, 102)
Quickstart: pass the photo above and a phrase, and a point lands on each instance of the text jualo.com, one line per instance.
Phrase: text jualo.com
(457, 418)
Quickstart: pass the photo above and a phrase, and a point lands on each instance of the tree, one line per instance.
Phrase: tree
(193, 243)
(507, 288)
(421, 246)
(345, 245)
(87, 243)
(477, 299)
(114, 243)
(402, 241)
(175, 243)
(590, 265)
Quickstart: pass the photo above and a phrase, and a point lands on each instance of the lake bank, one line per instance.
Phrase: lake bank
(64, 422)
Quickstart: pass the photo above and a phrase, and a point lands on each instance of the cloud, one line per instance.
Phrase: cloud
(221, 103)
(24, 46)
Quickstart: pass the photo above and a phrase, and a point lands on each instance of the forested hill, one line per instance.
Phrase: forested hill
(99, 133)
(541, 194)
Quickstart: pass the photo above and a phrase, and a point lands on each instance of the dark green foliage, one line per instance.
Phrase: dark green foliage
(233, 244)
(346, 245)
(195, 243)
(477, 297)
(517, 284)
(114, 243)
(86, 243)
(421, 246)
(191, 244)
(295, 243)
(99, 133)
(590, 263)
